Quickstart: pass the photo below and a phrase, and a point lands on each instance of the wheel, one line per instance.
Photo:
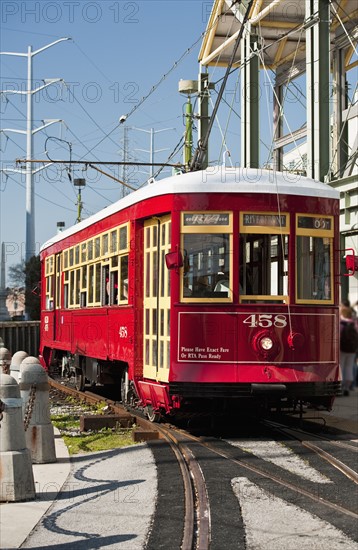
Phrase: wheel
(152, 416)
(79, 380)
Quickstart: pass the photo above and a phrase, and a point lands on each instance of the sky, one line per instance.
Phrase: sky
(124, 58)
(118, 51)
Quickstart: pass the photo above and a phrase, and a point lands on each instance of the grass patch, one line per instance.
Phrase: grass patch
(103, 440)
(83, 442)
(66, 422)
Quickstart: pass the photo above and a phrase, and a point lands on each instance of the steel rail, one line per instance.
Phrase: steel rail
(346, 470)
(335, 462)
(274, 478)
(286, 484)
(189, 518)
(317, 437)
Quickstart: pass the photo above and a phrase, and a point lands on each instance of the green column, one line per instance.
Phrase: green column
(203, 122)
(318, 87)
(250, 95)
(188, 143)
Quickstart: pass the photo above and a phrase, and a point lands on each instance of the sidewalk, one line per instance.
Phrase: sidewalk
(17, 519)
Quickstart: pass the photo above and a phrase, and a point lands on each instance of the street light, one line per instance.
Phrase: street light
(80, 183)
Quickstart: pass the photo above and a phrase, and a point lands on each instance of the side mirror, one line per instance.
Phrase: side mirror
(174, 260)
(351, 262)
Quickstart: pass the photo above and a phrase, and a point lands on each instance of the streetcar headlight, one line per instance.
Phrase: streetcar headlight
(266, 343)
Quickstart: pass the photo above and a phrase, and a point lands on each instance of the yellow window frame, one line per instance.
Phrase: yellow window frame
(320, 230)
(205, 225)
(280, 225)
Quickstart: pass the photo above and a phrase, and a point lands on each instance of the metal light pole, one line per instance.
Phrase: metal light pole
(30, 248)
(80, 183)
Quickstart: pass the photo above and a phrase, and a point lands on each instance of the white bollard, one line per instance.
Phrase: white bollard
(5, 360)
(16, 361)
(17, 480)
(34, 388)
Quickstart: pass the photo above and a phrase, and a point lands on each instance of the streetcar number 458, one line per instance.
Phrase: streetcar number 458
(265, 320)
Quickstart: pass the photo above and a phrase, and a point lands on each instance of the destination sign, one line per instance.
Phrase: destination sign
(218, 218)
(264, 220)
(312, 222)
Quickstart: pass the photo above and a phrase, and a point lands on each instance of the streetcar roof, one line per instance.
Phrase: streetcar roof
(215, 179)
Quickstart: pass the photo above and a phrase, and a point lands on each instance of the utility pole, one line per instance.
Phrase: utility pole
(151, 151)
(4, 315)
(30, 249)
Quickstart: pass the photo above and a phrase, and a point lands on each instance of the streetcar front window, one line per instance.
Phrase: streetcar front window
(263, 273)
(314, 281)
(314, 258)
(207, 256)
(206, 271)
(263, 257)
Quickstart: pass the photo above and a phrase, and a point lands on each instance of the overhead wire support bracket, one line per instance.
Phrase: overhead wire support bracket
(101, 162)
(199, 154)
(92, 164)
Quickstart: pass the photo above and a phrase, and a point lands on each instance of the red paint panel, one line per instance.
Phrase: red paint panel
(90, 333)
(220, 346)
(121, 335)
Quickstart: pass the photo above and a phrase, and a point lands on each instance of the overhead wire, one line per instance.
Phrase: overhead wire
(40, 196)
(174, 66)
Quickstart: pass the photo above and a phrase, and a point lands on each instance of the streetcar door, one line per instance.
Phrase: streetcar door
(156, 297)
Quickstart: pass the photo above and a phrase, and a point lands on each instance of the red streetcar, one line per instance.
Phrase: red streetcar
(203, 291)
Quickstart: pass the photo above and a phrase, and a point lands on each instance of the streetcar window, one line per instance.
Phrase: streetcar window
(123, 237)
(114, 242)
(66, 279)
(90, 250)
(83, 252)
(206, 246)
(207, 272)
(124, 279)
(263, 257)
(314, 280)
(90, 284)
(105, 244)
(98, 284)
(50, 282)
(314, 258)
(263, 272)
(97, 247)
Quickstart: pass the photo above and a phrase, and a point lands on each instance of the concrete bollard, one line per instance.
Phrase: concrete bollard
(16, 361)
(40, 438)
(5, 360)
(17, 480)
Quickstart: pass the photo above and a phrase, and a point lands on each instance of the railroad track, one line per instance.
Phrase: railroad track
(197, 455)
(302, 437)
(196, 532)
